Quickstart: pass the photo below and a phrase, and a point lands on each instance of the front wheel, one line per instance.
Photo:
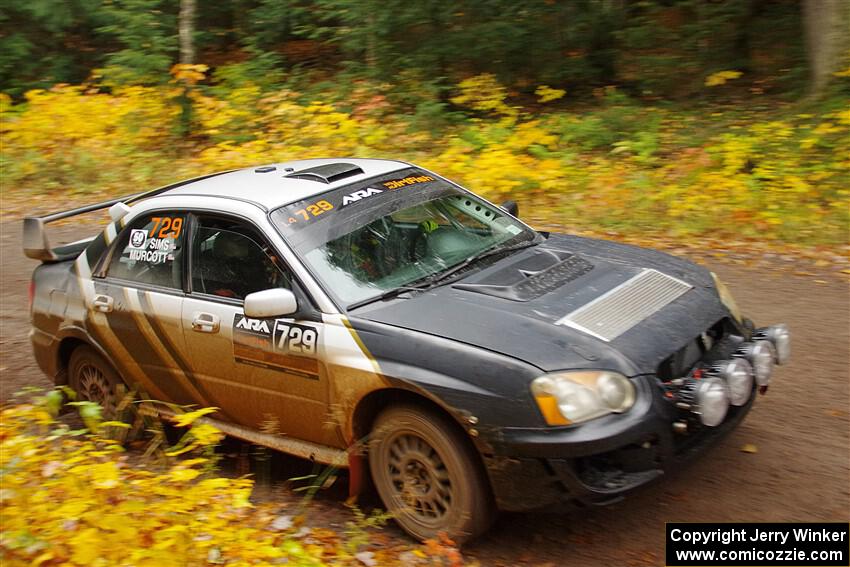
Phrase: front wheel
(428, 476)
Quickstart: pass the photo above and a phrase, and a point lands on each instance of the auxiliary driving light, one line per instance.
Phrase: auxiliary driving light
(760, 355)
(780, 337)
(738, 375)
(708, 398)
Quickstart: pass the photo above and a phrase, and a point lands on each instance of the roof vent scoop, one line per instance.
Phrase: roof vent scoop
(328, 173)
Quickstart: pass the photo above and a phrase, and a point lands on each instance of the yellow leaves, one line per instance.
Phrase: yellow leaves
(843, 117)
(189, 74)
(527, 134)
(5, 103)
(102, 475)
(776, 178)
(846, 71)
(95, 511)
(183, 474)
(86, 546)
(546, 93)
(202, 435)
(826, 128)
(721, 77)
(484, 93)
(808, 142)
(187, 419)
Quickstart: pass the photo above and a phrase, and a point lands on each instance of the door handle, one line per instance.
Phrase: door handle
(103, 303)
(205, 322)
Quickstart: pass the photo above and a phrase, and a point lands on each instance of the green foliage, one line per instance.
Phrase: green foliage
(263, 69)
(43, 42)
(147, 33)
(657, 48)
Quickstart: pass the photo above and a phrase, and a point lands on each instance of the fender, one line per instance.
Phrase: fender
(79, 333)
(455, 375)
(461, 416)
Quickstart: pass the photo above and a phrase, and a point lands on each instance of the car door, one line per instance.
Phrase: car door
(137, 307)
(266, 374)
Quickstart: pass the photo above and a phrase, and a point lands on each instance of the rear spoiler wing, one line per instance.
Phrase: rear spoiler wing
(37, 245)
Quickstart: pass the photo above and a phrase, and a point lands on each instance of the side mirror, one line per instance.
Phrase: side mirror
(511, 207)
(270, 303)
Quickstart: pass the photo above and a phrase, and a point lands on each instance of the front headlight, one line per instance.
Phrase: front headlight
(572, 397)
(726, 298)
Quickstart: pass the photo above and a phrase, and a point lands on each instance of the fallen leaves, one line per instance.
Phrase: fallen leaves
(70, 498)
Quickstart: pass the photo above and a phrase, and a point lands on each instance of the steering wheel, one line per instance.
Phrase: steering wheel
(389, 253)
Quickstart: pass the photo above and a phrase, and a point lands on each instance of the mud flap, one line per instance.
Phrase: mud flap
(356, 475)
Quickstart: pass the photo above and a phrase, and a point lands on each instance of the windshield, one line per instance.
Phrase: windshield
(368, 238)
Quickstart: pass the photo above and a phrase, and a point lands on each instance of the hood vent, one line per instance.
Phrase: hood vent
(531, 277)
(328, 173)
(615, 312)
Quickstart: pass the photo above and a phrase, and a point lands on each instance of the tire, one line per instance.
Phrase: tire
(94, 379)
(428, 475)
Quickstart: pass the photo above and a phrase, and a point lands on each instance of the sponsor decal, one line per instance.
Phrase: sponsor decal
(155, 251)
(256, 325)
(277, 344)
(295, 339)
(412, 180)
(359, 195)
(138, 239)
(163, 227)
(309, 212)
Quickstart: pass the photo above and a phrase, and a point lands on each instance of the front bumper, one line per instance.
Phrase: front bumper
(600, 461)
(599, 464)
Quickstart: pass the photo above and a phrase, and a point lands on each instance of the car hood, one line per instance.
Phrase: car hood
(516, 306)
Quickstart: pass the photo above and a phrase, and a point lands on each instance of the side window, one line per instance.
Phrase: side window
(229, 259)
(150, 251)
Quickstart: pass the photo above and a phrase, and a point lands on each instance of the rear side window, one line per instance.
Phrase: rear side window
(150, 251)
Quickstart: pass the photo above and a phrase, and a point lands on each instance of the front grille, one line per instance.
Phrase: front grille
(615, 312)
(716, 343)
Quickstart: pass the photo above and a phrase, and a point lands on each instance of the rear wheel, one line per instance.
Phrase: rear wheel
(428, 476)
(94, 379)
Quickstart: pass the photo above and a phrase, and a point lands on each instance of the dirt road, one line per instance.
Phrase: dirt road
(801, 430)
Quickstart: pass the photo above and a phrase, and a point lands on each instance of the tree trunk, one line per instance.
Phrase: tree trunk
(371, 42)
(187, 31)
(827, 28)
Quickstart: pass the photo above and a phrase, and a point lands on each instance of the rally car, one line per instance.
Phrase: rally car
(374, 315)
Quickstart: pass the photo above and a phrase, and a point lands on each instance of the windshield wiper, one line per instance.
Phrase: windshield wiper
(441, 277)
(389, 294)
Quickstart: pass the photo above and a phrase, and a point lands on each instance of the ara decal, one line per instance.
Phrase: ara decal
(359, 195)
(277, 344)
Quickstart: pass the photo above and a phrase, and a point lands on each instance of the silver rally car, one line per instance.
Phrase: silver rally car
(382, 318)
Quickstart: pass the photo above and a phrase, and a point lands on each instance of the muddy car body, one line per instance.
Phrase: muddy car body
(384, 318)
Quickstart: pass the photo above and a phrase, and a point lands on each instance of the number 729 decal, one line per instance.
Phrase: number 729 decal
(276, 344)
(295, 339)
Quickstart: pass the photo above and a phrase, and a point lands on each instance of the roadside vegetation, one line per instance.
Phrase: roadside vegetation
(73, 496)
(780, 173)
(724, 121)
